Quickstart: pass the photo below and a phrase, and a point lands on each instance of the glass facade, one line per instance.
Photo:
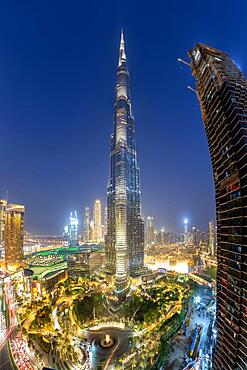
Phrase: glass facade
(125, 227)
(3, 205)
(97, 221)
(73, 228)
(86, 225)
(222, 92)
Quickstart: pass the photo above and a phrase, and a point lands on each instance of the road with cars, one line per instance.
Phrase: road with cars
(5, 357)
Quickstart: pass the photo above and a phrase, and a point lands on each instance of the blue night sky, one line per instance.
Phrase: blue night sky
(57, 72)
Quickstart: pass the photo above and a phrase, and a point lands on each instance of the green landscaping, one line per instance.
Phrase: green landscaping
(43, 343)
(42, 318)
(154, 312)
(87, 308)
(208, 274)
(149, 305)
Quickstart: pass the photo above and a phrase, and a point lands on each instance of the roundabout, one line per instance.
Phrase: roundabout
(108, 344)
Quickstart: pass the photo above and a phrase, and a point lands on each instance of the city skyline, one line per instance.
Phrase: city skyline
(136, 305)
(48, 105)
(127, 286)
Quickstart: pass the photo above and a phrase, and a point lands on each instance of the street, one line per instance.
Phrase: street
(5, 359)
(179, 358)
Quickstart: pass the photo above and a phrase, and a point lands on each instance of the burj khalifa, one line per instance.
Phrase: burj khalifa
(125, 226)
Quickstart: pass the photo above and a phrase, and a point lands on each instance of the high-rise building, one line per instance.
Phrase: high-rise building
(105, 221)
(186, 234)
(125, 227)
(162, 235)
(150, 237)
(91, 234)
(211, 238)
(222, 92)
(86, 225)
(155, 237)
(171, 238)
(14, 233)
(3, 204)
(198, 237)
(73, 228)
(97, 221)
(193, 235)
(96, 262)
(203, 236)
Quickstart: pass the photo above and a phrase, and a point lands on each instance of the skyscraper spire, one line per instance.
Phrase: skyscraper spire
(125, 228)
(122, 55)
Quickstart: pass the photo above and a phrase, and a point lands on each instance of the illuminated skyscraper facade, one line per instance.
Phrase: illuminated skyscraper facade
(125, 227)
(193, 235)
(211, 238)
(97, 221)
(105, 221)
(150, 237)
(91, 234)
(162, 235)
(222, 92)
(73, 228)
(86, 225)
(186, 234)
(3, 204)
(14, 233)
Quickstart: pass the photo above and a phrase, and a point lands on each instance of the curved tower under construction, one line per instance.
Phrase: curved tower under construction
(222, 92)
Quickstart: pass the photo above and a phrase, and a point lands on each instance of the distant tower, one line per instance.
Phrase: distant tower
(92, 232)
(194, 236)
(86, 225)
(73, 228)
(150, 237)
(162, 235)
(186, 235)
(211, 238)
(3, 204)
(155, 237)
(66, 235)
(97, 221)
(198, 237)
(14, 233)
(125, 228)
